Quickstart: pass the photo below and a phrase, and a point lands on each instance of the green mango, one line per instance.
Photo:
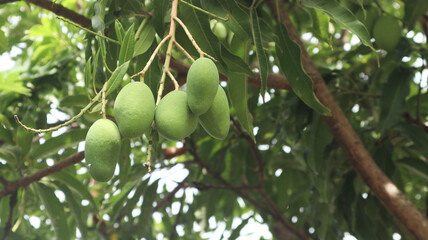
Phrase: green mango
(102, 149)
(216, 121)
(387, 32)
(369, 18)
(219, 29)
(202, 81)
(134, 109)
(173, 118)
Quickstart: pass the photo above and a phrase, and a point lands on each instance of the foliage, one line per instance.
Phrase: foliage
(279, 162)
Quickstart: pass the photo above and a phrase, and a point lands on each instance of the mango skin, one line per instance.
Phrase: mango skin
(202, 81)
(102, 149)
(387, 32)
(134, 109)
(216, 121)
(173, 118)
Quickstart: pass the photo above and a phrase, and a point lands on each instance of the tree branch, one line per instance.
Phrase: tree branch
(168, 198)
(12, 187)
(386, 191)
(58, 9)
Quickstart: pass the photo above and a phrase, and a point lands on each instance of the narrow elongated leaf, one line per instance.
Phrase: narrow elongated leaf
(127, 46)
(394, 93)
(55, 211)
(159, 11)
(415, 165)
(261, 55)
(53, 145)
(236, 232)
(413, 10)
(76, 186)
(199, 27)
(24, 138)
(415, 134)
(237, 88)
(239, 19)
(120, 32)
(5, 134)
(76, 210)
(288, 54)
(235, 63)
(10, 153)
(147, 206)
(98, 55)
(342, 16)
(145, 39)
(88, 73)
(131, 203)
(78, 101)
(117, 77)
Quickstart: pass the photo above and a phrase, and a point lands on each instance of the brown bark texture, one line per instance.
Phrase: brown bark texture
(386, 191)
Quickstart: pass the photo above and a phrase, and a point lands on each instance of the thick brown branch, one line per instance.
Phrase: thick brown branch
(172, 152)
(60, 10)
(12, 187)
(386, 191)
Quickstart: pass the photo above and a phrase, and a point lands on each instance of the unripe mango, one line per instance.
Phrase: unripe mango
(102, 149)
(216, 121)
(134, 109)
(174, 120)
(219, 29)
(202, 81)
(387, 32)
(369, 18)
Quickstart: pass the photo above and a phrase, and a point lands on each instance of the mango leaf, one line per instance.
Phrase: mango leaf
(97, 20)
(237, 88)
(120, 32)
(131, 203)
(53, 145)
(147, 206)
(239, 20)
(288, 55)
(416, 135)
(236, 231)
(10, 153)
(24, 138)
(160, 7)
(11, 82)
(127, 46)
(413, 9)
(76, 186)
(88, 73)
(116, 78)
(394, 93)
(78, 101)
(199, 27)
(76, 210)
(261, 55)
(415, 165)
(342, 16)
(235, 63)
(5, 134)
(144, 40)
(55, 211)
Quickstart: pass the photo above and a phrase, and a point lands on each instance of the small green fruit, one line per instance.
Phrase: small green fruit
(134, 109)
(387, 32)
(174, 120)
(216, 121)
(219, 29)
(369, 19)
(202, 81)
(102, 149)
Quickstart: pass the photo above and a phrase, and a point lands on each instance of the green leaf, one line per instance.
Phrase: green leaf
(88, 73)
(3, 42)
(55, 211)
(393, 97)
(76, 210)
(236, 231)
(413, 9)
(198, 25)
(127, 46)
(342, 16)
(415, 165)
(116, 78)
(10, 153)
(237, 88)
(5, 134)
(53, 145)
(235, 63)
(11, 82)
(24, 138)
(120, 32)
(76, 186)
(131, 203)
(288, 55)
(97, 20)
(261, 55)
(160, 7)
(147, 206)
(239, 19)
(145, 39)
(77, 101)
(416, 135)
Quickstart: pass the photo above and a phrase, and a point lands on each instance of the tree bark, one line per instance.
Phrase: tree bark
(386, 191)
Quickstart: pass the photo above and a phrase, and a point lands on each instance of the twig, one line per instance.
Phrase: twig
(184, 51)
(27, 180)
(202, 186)
(201, 53)
(204, 11)
(168, 198)
(176, 86)
(89, 31)
(103, 99)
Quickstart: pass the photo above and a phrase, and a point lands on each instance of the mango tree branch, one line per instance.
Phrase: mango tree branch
(12, 187)
(386, 191)
(59, 10)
